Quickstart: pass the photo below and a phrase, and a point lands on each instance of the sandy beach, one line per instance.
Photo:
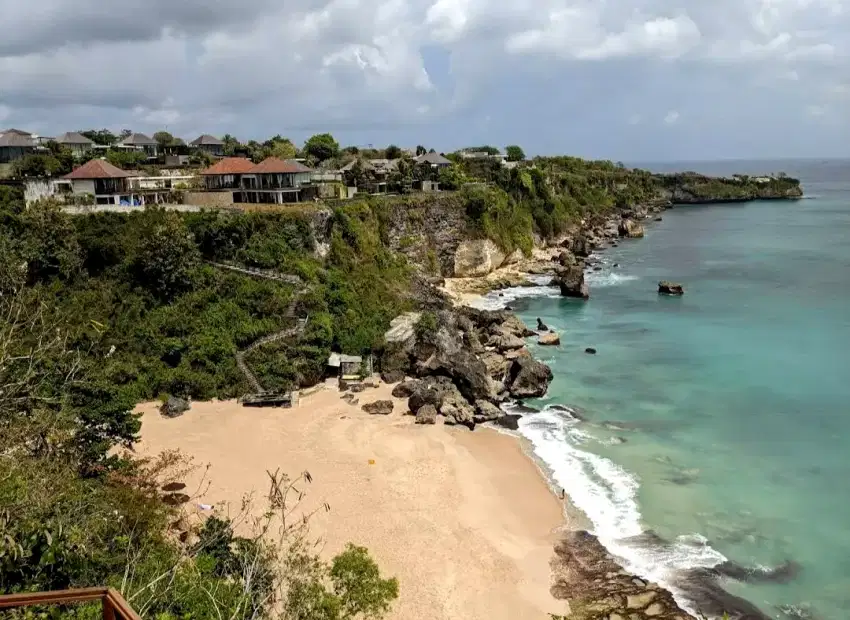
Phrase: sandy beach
(464, 519)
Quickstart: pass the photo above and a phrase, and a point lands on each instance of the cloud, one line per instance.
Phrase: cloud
(548, 73)
(671, 118)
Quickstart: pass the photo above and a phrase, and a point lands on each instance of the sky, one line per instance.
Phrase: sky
(630, 80)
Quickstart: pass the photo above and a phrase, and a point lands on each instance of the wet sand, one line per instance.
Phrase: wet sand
(464, 519)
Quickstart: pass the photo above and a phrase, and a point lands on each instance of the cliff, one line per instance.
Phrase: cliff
(692, 188)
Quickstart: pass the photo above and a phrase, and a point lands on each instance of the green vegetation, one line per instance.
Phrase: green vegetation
(514, 153)
(105, 310)
(321, 147)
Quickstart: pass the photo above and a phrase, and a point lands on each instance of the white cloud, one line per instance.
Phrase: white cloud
(672, 117)
(261, 66)
(5, 112)
(816, 110)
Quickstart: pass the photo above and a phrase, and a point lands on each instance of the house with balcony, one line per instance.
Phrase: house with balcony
(76, 142)
(104, 184)
(208, 144)
(15, 144)
(141, 142)
(278, 181)
(434, 160)
(226, 174)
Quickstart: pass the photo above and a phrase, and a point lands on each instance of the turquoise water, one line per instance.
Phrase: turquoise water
(733, 401)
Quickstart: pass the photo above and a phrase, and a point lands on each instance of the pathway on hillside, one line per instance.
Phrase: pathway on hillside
(294, 331)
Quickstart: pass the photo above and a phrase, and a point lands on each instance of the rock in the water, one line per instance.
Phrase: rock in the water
(571, 282)
(405, 388)
(670, 288)
(630, 228)
(590, 351)
(658, 219)
(379, 407)
(541, 326)
(174, 407)
(487, 412)
(392, 376)
(426, 415)
(581, 246)
(509, 421)
(528, 378)
(549, 340)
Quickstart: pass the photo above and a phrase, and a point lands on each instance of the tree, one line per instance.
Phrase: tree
(103, 137)
(280, 147)
(514, 153)
(125, 133)
(164, 256)
(49, 242)
(163, 139)
(321, 147)
(421, 150)
(231, 144)
(392, 152)
(490, 150)
(126, 160)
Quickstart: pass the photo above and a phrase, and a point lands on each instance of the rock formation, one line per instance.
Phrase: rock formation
(379, 407)
(670, 288)
(174, 407)
(630, 228)
(549, 340)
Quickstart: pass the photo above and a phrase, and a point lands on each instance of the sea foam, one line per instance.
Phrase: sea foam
(607, 494)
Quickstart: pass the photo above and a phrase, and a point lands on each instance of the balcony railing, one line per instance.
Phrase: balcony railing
(113, 604)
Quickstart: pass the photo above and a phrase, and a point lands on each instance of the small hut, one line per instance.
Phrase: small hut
(346, 367)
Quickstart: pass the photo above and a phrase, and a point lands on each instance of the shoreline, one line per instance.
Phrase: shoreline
(464, 519)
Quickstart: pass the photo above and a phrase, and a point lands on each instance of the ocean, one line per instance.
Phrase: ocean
(718, 422)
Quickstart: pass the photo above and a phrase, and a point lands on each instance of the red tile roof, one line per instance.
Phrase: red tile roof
(274, 165)
(97, 169)
(230, 165)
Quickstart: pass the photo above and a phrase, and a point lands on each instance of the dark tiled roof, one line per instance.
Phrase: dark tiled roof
(73, 137)
(138, 139)
(206, 140)
(274, 165)
(97, 169)
(20, 132)
(432, 158)
(14, 139)
(230, 165)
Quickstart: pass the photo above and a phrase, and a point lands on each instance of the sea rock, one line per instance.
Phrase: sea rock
(392, 376)
(670, 288)
(458, 413)
(174, 407)
(571, 282)
(509, 421)
(528, 378)
(476, 258)
(590, 351)
(427, 415)
(541, 326)
(549, 340)
(497, 364)
(630, 228)
(487, 412)
(406, 388)
(379, 407)
(581, 246)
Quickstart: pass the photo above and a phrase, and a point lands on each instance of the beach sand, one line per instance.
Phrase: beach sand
(463, 519)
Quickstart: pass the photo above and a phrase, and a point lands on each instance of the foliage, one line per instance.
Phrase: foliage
(57, 162)
(392, 152)
(426, 327)
(231, 145)
(420, 150)
(126, 160)
(321, 147)
(163, 138)
(514, 153)
(490, 150)
(100, 136)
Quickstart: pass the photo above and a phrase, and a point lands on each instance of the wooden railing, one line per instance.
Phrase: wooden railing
(113, 604)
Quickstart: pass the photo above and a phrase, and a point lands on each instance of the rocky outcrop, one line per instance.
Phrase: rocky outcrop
(670, 288)
(549, 340)
(477, 257)
(174, 407)
(570, 280)
(528, 378)
(585, 574)
(379, 407)
(630, 228)
(392, 376)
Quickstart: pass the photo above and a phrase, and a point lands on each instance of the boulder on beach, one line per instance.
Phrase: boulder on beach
(528, 378)
(174, 407)
(486, 411)
(630, 228)
(549, 340)
(405, 388)
(426, 415)
(670, 288)
(392, 376)
(379, 407)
